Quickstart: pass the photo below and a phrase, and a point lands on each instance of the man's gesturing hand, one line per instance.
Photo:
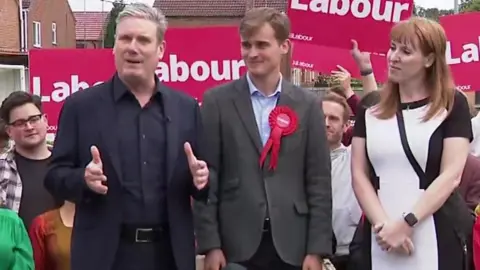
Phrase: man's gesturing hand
(94, 177)
(198, 168)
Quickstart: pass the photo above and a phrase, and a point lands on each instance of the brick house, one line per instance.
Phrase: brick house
(27, 24)
(10, 44)
(48, 24)
(89, 30)
(36, 24)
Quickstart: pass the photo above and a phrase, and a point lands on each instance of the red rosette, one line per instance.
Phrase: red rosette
(283, 122)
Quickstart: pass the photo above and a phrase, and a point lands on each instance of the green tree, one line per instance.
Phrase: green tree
(431, 13)
(470, 5)
(109, 39)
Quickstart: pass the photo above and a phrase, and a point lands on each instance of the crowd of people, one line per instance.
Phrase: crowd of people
(280, 177)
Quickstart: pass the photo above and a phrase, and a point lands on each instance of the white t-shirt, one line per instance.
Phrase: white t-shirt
(346, 212)
(475, 144)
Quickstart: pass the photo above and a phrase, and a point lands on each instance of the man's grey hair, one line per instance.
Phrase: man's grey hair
(144, 11)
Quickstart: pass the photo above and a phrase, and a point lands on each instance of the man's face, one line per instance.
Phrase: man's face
(137, 49)
(27, 126)
(262, 52)
(334, 121)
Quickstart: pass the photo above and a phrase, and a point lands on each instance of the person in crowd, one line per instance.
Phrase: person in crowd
(346, 212)
(475, 144)
(469, 186)
(50, 234)
(15, 248)
(23, 166)
(408, 154)
(344, 79)
(5, 143)
(127, 154)
(269, 208)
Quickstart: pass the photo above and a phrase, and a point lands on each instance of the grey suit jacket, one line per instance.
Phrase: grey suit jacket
(297, 194)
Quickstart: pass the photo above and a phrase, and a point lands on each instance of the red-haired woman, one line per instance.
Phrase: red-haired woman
(408, 154)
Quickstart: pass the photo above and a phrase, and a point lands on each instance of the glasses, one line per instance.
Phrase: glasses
(32, 120)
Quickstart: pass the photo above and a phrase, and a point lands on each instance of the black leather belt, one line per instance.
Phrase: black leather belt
(266, 225)
(143, 234)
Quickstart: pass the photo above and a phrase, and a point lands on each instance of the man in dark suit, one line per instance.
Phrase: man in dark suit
(124, 154)
(274, 214)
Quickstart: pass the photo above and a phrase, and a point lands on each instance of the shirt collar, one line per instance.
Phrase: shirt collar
(120, 89)
(253, 89)
(337, 151)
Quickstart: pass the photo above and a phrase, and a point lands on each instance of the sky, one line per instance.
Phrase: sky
(96, 5)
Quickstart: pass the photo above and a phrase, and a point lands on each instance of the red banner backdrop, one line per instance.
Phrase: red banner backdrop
(188, 66)
(334, 23)
(325, 59)
(463, 49)
(198, 66)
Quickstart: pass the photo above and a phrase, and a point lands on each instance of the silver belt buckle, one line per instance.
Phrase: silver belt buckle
(137, 231)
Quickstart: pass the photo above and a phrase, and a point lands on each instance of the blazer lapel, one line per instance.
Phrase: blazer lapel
(287, 96)
(243, 104)
(107, 120)
(171, 114)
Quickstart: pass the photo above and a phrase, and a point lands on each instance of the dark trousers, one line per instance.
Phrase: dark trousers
(145, 256)
(266, 257)
(341, 262)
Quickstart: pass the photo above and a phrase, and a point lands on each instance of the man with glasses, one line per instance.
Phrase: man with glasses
(23, 166)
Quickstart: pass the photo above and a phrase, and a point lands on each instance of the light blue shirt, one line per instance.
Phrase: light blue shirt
(262, 107)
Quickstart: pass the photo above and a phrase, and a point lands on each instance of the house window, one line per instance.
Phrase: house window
(24, 30)
(37, 34)
(54, 33)
(81, 45)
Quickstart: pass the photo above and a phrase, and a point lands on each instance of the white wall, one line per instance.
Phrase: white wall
(11, 79)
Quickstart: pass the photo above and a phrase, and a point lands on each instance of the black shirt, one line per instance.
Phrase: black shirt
(35, 198)
(142, 144)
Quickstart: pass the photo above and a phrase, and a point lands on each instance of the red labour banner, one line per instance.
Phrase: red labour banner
(325, 59)
(463, 49)
(335, 22)
(188, 66)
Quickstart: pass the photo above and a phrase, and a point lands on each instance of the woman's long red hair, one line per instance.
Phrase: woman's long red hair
(430, 38)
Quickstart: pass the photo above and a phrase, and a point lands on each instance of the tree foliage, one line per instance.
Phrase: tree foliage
(431, 13)
(109, 39)
(470, 5)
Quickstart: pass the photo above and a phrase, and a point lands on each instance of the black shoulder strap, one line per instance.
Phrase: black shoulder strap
(422, 176)
(406, 148)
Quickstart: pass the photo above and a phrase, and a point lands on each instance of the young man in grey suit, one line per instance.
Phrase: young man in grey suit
(270, 211)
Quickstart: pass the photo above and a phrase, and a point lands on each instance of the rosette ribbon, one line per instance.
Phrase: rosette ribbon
(283, 122)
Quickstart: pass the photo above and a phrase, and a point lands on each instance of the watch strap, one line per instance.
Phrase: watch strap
(366, 72)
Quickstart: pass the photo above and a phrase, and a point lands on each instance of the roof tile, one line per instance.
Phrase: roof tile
(213, 8)
(90, 24)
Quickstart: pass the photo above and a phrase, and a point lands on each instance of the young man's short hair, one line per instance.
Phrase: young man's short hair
(17, 99)
(338, 90)
(339, 100)
(255, 18)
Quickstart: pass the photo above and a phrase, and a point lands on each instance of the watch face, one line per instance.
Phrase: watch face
(410, 219)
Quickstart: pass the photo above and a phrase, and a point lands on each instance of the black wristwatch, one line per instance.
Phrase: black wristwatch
(410, 219)
(366, 72)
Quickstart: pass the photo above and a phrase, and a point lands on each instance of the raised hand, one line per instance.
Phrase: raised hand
(94, 177)
(198, 168)
(362, 59)
(343, 77)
